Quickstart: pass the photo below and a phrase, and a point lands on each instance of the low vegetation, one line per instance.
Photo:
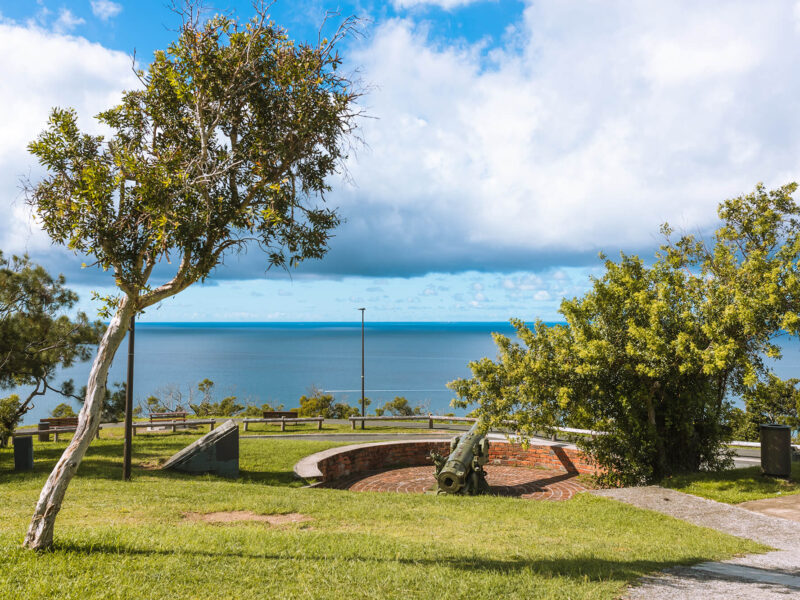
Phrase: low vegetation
(319, 404)
(399, 407)
(133, 539)
(735, 485)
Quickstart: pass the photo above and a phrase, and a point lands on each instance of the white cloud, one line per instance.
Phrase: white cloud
(105, 9)
(41, 70)
(599, 123)
(66, 21)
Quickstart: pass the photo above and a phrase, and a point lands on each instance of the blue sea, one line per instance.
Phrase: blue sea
(279, 362)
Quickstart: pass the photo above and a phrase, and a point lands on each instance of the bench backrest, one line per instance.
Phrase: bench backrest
(277, 414)
(168, 416)
(60, 421)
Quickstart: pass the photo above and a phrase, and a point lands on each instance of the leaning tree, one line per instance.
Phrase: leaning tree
(227, 144)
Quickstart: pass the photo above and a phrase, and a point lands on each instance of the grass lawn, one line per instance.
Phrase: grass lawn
(736, 485)
(132, 540)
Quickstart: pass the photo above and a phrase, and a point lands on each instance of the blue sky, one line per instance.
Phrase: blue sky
(511, 142)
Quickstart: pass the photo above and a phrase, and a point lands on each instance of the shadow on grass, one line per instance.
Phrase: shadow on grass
(112, 471)
(576, 567)
(748, 480)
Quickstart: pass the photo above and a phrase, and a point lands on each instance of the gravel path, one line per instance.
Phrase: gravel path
(770, 575)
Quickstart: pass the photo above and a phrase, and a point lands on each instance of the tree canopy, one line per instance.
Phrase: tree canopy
(228, 143)
(653, 354)
(37, 336)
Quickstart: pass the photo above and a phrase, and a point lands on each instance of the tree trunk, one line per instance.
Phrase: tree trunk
(40, 531)
(651, 419)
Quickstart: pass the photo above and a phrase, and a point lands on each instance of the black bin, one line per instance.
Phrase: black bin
(776, 450)
(23, 453)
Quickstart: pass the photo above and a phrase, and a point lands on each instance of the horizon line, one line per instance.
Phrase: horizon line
(504, 322)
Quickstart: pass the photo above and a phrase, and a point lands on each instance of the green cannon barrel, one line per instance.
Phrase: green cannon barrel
(453, 476)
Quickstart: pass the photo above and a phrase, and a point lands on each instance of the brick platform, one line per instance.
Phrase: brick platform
(348, 461)
(534, 484)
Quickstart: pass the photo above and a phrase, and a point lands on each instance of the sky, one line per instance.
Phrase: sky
(507, 144)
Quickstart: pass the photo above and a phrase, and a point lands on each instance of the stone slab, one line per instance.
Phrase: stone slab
(216, 452)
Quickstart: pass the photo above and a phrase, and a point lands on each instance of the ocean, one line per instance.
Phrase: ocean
(279, 362)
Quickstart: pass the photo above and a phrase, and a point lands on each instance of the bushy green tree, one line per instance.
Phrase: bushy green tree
(36, 334)
(62, 410)
(772, 401)
(155, 405)
(318, 404)
(9, 417)
(227, 407)
(398, 407)
(204, 407)
(651, 355)
(228, 142)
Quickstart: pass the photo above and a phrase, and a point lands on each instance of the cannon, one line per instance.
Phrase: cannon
(462, 472)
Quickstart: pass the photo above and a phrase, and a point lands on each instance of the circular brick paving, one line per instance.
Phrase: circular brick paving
(535, 484)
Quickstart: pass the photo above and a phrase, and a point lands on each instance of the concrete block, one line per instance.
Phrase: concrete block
(216, 452)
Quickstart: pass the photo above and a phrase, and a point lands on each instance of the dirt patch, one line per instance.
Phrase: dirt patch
(236, 516)
(151, 465)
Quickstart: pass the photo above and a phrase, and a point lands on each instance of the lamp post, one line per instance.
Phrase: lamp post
(363, 401)
(126, 450)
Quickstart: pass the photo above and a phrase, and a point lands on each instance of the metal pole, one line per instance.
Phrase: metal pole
(363, 401)
(126, 452)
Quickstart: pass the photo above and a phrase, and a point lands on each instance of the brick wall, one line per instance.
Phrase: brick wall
(376, 457)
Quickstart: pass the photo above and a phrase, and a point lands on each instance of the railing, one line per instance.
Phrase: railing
(283, 421)
(54, 430)
(429, 418)
(174, 424)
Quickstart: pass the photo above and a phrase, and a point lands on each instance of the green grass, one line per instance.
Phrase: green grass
(275, 428)
(735, 485)
(131, 540)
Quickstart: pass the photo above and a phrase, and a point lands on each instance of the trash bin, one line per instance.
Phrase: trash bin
(776, 450)
(23, 453)
(44, 437)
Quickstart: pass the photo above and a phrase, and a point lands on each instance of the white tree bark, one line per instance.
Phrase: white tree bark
(40, 531)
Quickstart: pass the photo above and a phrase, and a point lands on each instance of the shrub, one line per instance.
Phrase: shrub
(399, 407)
(323, 405)
(251, 410)
(63, 410)
(9, 417)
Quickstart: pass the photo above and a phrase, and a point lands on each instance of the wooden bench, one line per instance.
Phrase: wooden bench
(277, 414)
(54, 426)
(174, 424)
(428, 418)
(167, 418)
(283, 421)
(55, 422)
